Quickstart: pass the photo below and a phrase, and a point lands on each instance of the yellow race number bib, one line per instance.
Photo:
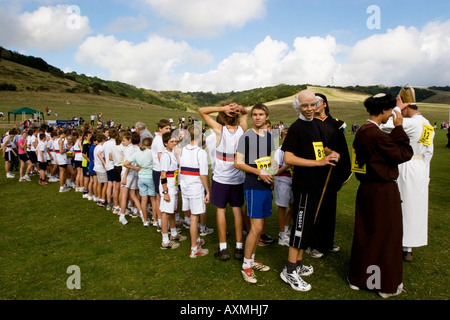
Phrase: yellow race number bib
(318, 150)
(355, 166)
(427, 135)
(263, 163)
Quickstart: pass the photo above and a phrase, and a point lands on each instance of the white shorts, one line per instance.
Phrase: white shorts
(171, 206)
(61, 159)
(283, 193)
(132, 180)
(54, 157)
(196, 205)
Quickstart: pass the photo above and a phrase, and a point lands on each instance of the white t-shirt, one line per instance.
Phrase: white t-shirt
(193, 164)
(117, 154)
(224, 170)
(127, 156)
(98, 165)
(42, 146)
(108, 147)
(169, 164)
(286, 176)
(211, 142)
(157, 147)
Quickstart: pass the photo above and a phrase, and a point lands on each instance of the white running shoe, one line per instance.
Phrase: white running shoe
(10, 175)
(249, 275)
(200, 252)
(259, 266)
(283, 241)
(27, 178)
(123, 220)
(387, 295)
(206, 231)
(294, 280)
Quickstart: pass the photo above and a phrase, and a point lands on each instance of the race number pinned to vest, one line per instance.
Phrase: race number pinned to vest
(318, 150)
(355, 166)
(263, 163)
(175, 175)
(427, 135)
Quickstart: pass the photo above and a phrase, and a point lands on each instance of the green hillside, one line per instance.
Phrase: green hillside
(30, 82)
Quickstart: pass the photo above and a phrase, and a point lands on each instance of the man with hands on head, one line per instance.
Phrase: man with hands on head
(227, 185)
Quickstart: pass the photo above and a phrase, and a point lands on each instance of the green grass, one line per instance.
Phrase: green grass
(44, 232)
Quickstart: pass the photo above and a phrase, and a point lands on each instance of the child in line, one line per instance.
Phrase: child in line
(117, 155)
(129, 183)
(77, 161)
(92, 175)
(22, 150)
(61, 158)
(194, 183)
(100, 170)
(283, 194)
(85, 162)
(168, 188)
(53, 168)
(142, 162)
(43, 155)
(8, 152)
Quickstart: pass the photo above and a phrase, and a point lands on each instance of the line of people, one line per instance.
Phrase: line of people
(249, 171)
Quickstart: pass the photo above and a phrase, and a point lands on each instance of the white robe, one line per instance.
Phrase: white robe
(413, 181)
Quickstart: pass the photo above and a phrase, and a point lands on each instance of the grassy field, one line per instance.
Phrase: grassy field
(44, 232)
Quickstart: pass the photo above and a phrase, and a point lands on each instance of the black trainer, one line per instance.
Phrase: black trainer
(239, 254)
(222, 255)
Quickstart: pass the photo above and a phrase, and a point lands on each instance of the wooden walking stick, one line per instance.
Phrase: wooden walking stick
(323, 193)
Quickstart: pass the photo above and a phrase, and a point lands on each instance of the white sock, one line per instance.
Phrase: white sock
(173, 232)
(239, 245)
(222, 245)
(247, 263)
(165, 237)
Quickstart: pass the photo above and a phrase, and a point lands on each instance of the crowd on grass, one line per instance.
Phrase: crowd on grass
(139, 174)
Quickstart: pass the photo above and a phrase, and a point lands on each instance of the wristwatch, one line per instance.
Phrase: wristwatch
(165, 192)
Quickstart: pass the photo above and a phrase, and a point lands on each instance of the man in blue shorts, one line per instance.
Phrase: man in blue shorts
(253, 157)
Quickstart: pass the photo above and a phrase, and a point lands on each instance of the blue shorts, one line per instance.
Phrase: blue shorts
(111, 175)
(146, 187)
(156, 178)
(222, 194)
(259, 203)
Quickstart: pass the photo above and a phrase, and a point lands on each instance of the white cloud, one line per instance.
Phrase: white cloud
(46, 29)
(150, 64)
(270, 63)
(401, 55)
(207, 17)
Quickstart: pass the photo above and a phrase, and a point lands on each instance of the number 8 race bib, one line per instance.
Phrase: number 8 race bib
(318, 150)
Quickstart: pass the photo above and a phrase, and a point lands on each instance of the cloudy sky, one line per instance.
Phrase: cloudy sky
(233, 45)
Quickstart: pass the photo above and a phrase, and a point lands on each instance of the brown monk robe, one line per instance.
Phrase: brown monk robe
(377, 239)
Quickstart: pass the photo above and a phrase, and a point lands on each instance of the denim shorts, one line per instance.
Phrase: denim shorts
(146, 187)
